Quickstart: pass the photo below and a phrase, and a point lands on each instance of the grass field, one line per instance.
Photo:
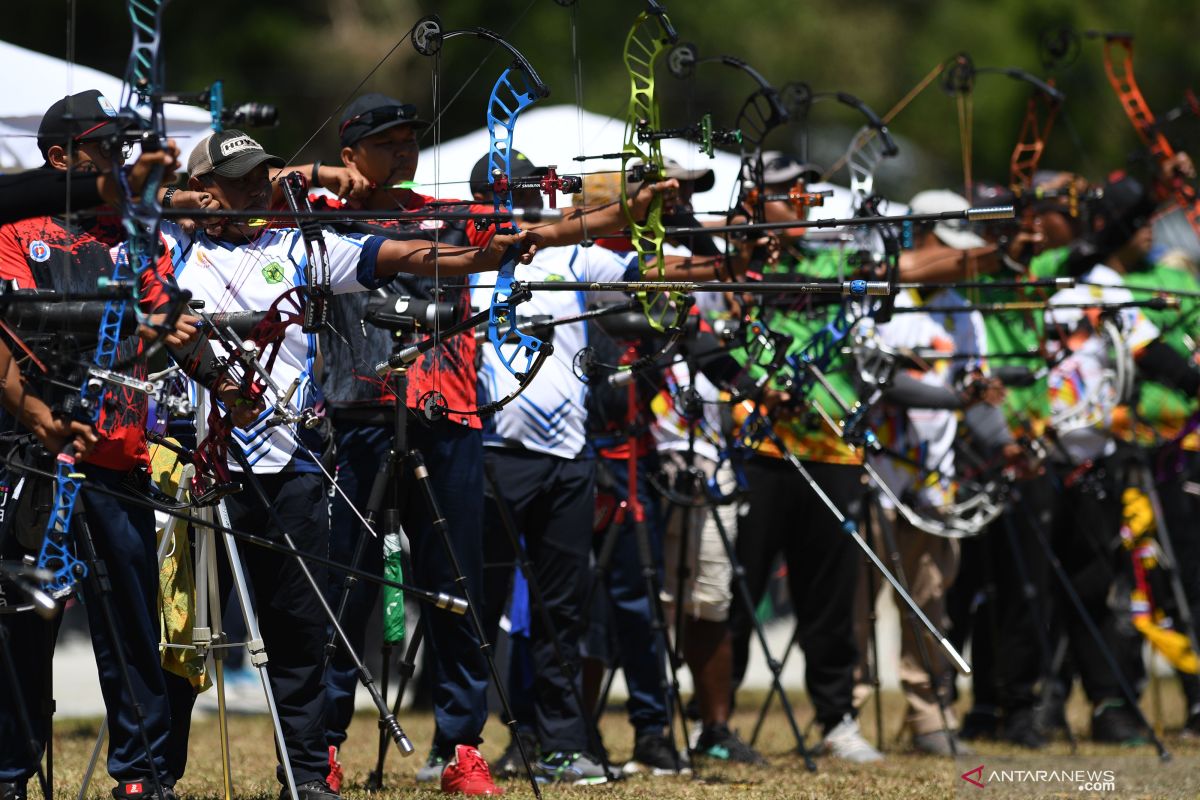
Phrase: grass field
(903, 774)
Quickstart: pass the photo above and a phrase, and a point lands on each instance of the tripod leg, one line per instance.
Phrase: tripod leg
(743, 592)
(368, 682)
(873, 646)
(421, 473)
(212, 584)
(255, 648)
(1035, 604)
(851, 530)
(1094, 632)
(379, 486)
(406, 668)
(165, 545)
(893, 548)
(768, 701)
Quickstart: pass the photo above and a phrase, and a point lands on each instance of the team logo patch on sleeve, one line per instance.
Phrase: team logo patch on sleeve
(39, 251)
(273, 273)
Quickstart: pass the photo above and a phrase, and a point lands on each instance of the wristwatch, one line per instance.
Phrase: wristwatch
(167, 195)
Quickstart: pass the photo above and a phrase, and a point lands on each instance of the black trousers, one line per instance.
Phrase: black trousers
(552, 501)
(988, 603)
(1086, 534)
(290, 616)
(786, 516)
(1181, 510)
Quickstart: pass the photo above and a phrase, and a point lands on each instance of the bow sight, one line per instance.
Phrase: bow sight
(246, 115)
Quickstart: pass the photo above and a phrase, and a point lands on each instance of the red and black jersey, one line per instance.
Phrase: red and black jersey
(349, 381)
(45, 253)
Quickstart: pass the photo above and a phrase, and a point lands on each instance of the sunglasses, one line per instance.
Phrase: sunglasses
(379, 116)
(110, 149)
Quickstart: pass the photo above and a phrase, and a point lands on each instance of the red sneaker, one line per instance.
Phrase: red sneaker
(468, 773)
(334, 778)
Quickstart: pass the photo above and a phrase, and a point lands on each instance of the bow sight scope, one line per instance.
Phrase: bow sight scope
(251, 115)
(407, 314)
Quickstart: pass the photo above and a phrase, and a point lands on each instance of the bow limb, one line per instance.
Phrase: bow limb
(645, 44)
(518, 87)
(141, 111)
(1121, 77)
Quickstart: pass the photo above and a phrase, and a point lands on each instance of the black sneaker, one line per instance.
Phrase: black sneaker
(17, 790)
(1050, 714)
(510, 764)
(1020, 728)
(1191, 728)
(979, 724)
(653, 753)
(1114, 723)
(718, 742)
(141, 790)
(312, 790)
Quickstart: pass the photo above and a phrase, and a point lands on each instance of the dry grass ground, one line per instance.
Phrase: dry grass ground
(903, 774)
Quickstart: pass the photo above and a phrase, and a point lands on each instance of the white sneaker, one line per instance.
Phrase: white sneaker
(845, 741)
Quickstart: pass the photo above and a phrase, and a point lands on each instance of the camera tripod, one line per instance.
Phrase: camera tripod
(403, 459)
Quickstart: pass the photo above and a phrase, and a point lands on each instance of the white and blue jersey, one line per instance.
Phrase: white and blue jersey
(550, 416)
(250, 277)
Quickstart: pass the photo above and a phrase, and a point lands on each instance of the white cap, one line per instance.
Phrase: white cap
(1068, 318)
(954, 233)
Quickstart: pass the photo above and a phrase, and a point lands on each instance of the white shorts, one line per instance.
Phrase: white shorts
(708, 593)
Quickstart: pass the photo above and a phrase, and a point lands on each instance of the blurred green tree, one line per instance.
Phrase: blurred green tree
(309, 56)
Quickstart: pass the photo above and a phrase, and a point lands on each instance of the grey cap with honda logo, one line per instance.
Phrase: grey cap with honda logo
(230, 154)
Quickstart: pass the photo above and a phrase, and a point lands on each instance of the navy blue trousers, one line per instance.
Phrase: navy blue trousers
(453, 454)
(125, 541)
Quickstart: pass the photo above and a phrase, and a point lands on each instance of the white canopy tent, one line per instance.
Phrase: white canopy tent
(551, 135)
(42, 79)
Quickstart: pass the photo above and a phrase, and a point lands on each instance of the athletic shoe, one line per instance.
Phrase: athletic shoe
(510, 764)
(718, 742)
(941, 743)
(1191, 728)
(468, 773)
(1020, 728)
(979, 724)
(655, 754)
(312, 790)
(1050, 714)
(578, 769)
(334, 778)
(142, 789)
(1114, 723)
(16, 790)
(845, 741)
(431, 770)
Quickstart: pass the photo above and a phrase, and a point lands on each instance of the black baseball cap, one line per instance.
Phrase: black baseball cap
(230, 154)
(372, 113)
(520, 165)
(83, 117)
